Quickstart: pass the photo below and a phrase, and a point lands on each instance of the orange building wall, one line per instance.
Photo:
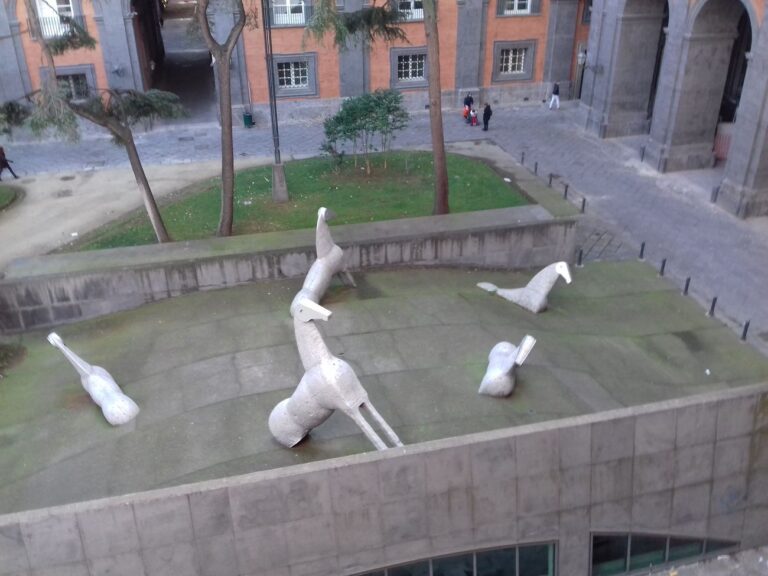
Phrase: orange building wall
(447, 17)
(289, 41)
(514, 28)
(34, 57)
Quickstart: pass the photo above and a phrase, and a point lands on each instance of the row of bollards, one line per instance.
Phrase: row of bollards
(686, 288)
(550, 179)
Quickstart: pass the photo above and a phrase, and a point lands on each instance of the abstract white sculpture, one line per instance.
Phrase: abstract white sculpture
(330, 261)
(533, 297)
(117, 408)
(329, 383)
(499, 379)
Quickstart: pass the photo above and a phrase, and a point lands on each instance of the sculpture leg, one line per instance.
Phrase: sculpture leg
(383, 424)
(369, 432)
(346, 278)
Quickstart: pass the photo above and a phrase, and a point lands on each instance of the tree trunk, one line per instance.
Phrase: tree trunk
(436, 108)
(226, 215)
(126, 136)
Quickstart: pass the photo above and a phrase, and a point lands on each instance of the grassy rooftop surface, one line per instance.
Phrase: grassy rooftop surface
(206, 370)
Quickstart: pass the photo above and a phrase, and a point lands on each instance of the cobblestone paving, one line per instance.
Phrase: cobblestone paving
(627, 202)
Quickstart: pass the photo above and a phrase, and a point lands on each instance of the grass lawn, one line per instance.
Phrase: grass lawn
(403, 190)
(7, 195)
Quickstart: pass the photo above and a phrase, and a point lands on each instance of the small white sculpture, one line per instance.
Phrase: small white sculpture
(117, 408)
(329, 383)
(499, 379)
(330, 261)
(534, 296)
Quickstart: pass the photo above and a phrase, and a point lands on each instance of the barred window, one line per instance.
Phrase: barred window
(411, 9)
(75, 86)
(512, 60)
(516, 7)
(411, 66)
(293, 74)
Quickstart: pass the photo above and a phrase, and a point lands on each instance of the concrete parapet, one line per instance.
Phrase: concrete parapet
(690, 467)
(50, 290)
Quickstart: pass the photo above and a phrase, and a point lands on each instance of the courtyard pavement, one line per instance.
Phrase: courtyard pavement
(626, 201)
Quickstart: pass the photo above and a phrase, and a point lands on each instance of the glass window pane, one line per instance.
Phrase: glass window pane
(646, 551)
(496, 562)
(715, 545)
(684, 548)
(536, 560)
(609, 555)
(452, 566)
(417, 569)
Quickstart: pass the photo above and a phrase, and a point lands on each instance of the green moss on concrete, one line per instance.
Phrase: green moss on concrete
(207, 368)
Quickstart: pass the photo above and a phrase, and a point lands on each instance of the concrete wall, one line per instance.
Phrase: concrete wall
(51, 290)
(692, 467)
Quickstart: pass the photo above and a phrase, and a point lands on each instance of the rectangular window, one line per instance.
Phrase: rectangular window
(411, 9)
(289, 13)
(497, 562)
(512, 60)
(452, 565)
(646, 551)
(64, 7)
(680, 548)
(417, 569)
(75, 86)
(293, 74)
(516, 7)
(609, 555)
(536, 560)
(55, 17)
(411, 66)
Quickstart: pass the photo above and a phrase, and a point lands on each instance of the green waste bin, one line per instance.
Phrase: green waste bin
(247, 119)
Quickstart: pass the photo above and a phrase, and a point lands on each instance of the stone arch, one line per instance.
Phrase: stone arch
(693, 15)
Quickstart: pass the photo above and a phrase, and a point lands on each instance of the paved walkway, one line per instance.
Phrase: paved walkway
(627, 202)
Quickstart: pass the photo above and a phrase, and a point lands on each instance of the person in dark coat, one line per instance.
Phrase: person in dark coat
(5, 163)
(468, 103)
(487, 113)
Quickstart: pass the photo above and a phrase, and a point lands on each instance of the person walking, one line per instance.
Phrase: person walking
(555, 96)
(487, 113)
(5, 163)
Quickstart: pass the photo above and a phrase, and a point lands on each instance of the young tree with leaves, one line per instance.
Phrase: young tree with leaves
(382, 22)
(222, 55)
(115, 110)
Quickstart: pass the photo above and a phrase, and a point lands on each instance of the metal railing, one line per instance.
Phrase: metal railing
(415, 14)
(55, 27)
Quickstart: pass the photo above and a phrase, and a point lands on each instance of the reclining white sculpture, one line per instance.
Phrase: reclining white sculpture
(329, 383)
(533, 297)
(117, 408)
(499, 379)
(330, 261)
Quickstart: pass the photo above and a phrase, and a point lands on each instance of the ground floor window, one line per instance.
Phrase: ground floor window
(295, 75)
(528, 560)
(409, 67)
(513, 61)
(622, 553)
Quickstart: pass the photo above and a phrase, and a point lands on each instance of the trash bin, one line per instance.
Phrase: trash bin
(247, 119)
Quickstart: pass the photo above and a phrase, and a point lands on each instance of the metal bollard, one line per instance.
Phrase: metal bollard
(642, 251)
(712, 307)
(550, 180)
(687, 285)
(565, 193)
(663, 267)
(583, 205)
(536, 168)
(744, 332)
(642, 154)
(580, 261)
(522, 158)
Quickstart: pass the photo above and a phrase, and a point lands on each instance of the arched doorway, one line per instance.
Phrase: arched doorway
(701, 80)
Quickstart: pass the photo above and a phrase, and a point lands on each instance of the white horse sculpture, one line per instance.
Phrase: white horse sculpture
(533, 297)
(117, 408)
(329, 383)
(499, 379)
(330, 261)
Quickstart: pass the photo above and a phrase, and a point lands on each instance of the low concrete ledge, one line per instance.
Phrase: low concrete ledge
(46, 291)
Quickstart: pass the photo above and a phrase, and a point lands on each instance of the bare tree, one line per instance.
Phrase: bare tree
(222, 55)
(115, 110)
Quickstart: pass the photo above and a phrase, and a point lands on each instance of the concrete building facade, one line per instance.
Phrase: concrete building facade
(692, 75)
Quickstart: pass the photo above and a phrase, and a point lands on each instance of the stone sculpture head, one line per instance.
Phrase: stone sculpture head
(562, 269)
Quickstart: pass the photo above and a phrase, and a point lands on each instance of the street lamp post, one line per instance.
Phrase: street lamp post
(279, 188)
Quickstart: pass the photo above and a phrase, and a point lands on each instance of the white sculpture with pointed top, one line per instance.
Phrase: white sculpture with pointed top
(330, 261)
(117, 408)
(499, 379)
(533, 297)
(329, 383)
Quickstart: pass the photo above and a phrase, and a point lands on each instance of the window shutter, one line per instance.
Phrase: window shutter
(535, 6)
(500, 7)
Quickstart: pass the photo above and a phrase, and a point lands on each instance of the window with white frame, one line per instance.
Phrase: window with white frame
(411, 9)
(295, 75)
(512, 60)
(411, 67)
(54, 17)
(289, 12)
(516, 7)
(74, 86)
